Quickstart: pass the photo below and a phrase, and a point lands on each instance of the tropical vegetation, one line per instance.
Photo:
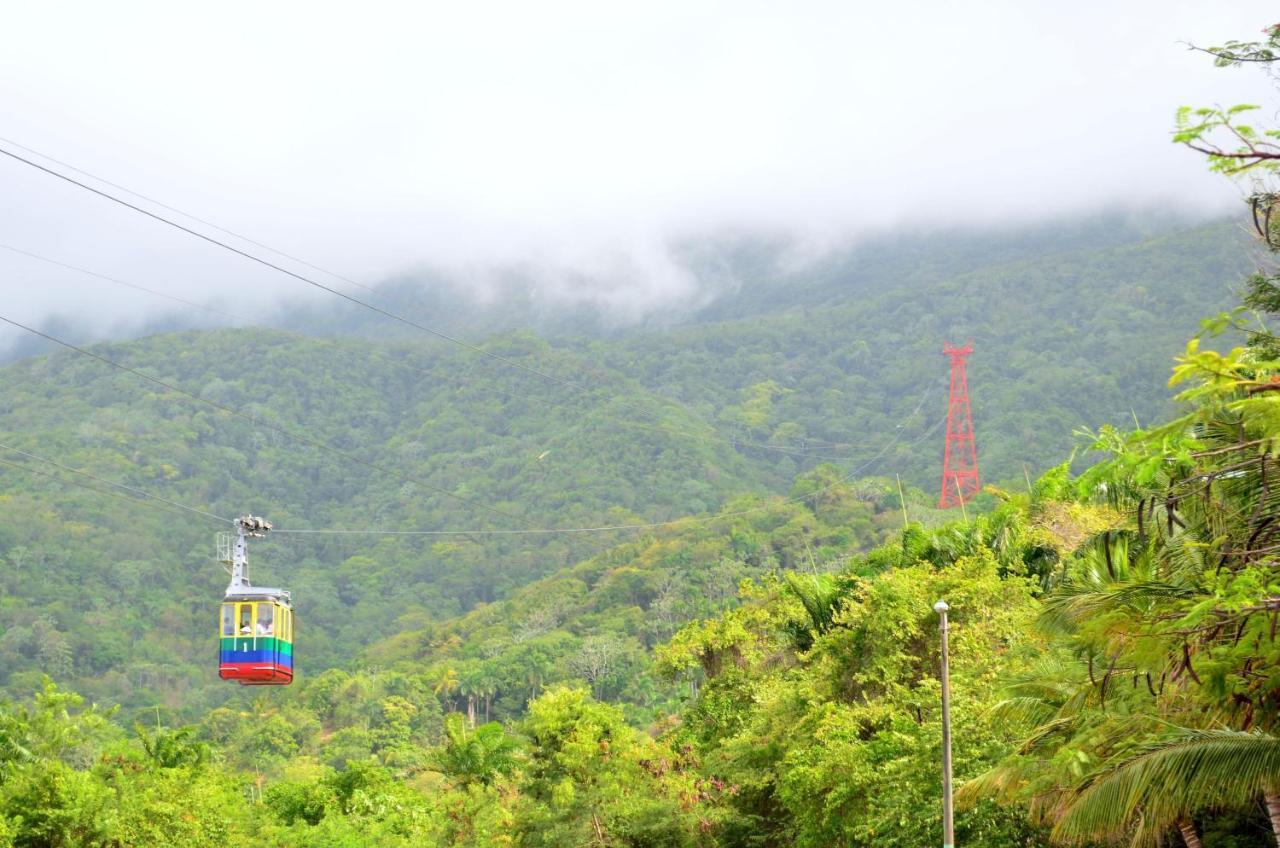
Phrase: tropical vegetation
(704, 667)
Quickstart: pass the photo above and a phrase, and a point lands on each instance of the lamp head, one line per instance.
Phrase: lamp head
(940, 607)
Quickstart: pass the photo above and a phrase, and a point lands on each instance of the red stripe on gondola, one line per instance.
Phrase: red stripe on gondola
(255, 672)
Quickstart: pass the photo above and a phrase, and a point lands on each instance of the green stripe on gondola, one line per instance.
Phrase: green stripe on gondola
(260, 643)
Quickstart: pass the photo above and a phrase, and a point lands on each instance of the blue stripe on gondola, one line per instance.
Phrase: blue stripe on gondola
(282, 659)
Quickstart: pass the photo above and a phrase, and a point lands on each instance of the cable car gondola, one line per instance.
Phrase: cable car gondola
(255, 628)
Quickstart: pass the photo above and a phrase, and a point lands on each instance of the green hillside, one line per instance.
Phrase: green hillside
(1063, 340)
(415, 435)
(800, 709)
(822, 358)
(599, 619)
(92, 579)
(741, 669)
(677, 578)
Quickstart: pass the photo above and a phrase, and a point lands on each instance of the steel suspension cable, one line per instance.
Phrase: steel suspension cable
(273, 266)
(151, 500)
(124, 283)
(188, 215)
(373, 307)
(127, 488)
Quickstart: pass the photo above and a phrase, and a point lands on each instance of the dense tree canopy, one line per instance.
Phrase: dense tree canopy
(749, 657)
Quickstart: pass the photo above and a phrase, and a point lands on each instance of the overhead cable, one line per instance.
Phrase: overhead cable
(370, 306)
(273, 266)
(132, 489)
(125, 283)
(188, 215)
(150, 502)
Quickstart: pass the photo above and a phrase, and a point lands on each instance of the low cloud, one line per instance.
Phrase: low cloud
(577, 148)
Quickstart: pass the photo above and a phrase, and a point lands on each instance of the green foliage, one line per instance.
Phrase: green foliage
(55, 727)
(821, 597)
(1179, 591)
(480, 755)
(595, 622)
(835, 741)
(594, 780)
(760, 673)
(1187, 771)
(1241, 52)
(172, 748)
(673, 421)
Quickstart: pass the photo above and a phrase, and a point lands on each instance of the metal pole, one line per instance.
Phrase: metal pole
(948, 826)
(902, 499)
(964, 513)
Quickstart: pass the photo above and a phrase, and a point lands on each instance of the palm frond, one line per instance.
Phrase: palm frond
(1164, 781)
(1003, 783)
(1023, 711)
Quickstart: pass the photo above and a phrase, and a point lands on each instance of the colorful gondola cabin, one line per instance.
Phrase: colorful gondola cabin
(256, 641)
(255, 628)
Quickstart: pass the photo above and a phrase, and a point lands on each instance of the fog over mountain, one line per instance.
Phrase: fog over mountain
(573, 153)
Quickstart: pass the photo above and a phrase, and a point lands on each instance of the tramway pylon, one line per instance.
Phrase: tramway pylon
(960, 480)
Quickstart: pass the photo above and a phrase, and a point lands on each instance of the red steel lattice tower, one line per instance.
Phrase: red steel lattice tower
(960, 480)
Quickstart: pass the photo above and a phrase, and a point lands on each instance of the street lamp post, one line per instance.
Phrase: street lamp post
(948, 826)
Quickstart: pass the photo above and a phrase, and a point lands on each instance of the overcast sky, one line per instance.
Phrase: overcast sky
(580, 137)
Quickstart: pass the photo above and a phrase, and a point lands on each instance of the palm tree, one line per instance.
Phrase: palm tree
(1050, 706)
(1092, 702)
(172, 748)
(471, 685)
(1187, 585)
(1194, 586)
(446, 685)
(1072, 726)
(479, 755)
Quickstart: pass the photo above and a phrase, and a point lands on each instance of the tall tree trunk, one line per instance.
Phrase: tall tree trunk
(1189, 836)
(471, 710)
(1273, 812)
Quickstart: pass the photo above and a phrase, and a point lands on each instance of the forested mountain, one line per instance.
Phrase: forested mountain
(346, 434)
(1062, 341)
(600, 619)
(747, 461)
(333, 435)
(1069, 320)
(732, 277)
(673, 574)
